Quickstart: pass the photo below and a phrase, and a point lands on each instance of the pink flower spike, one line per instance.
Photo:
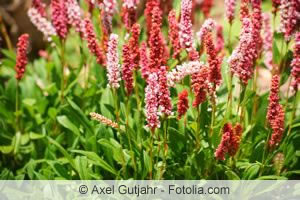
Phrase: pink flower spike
(208, 26)
(174, 33)
(151, 101)
(144, 61)
(165, 104)
(289, 17)
(242, 58)
(268, 40)
(185, 25)
(230, 10)
(113, 66)
(41, 23)
(59, 18)
(40, 7)
(74, 15)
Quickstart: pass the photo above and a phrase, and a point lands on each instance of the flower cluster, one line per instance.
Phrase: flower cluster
(174, 33)
(104, 120)
(244, 10)
(241, 60)
(268, 40)
(275, 114)
(59, 18)
(275, 5)
(290, 16)
(21, 60)
(148, 13)
(151, 101)
(200, 85)
(296, 63)
(74, 15)
(183, 103)
(186, 32)
(110, 6)
(40, 7)
(106, 27)
(230, 9)
(230, 141)
(134, 45)
(91, 4)
(214, 62)
(41, 23)
(129, 14)
(127, 69)
(144, 61)
(90, 36)
(208, 26)
(180, 71)
(165, 105)
(156, 42)
(220, 39)
(206, 7)
(257, 21)
(113, 66)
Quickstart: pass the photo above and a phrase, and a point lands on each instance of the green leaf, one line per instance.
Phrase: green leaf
(63, 151)
(232, 175)
(98, 161)
(272, 177)
(80, 116)
(6, 149)
(65, 122)
(35, 136)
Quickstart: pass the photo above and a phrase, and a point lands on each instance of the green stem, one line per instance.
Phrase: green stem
(129, 137)
(229, 38)
(151, 154)
(198, 127)
(62, 87)
(165, 153)
(136, 89)
(213, 105)
(265, 154)
(17, 107)
(293, 113)
(119, 130)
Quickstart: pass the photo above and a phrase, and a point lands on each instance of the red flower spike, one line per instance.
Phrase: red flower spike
(214, 61)
(127, 69)
(164, 98)
(90, 36)
(206, 7)
(148, 13)
(21, 60)
(144, 61)
(134, 45)
(200, 86)
(275, 114)
(156, 42)
(183, 103)
(223, 147)
(174, 33)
